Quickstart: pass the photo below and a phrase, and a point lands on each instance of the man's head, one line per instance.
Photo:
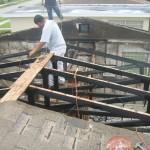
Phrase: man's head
(39, 20)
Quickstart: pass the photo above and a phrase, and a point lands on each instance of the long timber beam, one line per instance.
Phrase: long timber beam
(95, 94)
(4, 91)
(85, 102)
(101, 72)
(16, 55)
(90, 87)
(17, 63)
(10, 75)
(103, 68)
(99, 53)
(92, 112)
(139, 129)
(128, 123)
(13, 55)
(122, 99)
(107, 84)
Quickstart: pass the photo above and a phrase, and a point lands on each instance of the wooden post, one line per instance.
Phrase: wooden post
(56, 84)
(142, 70)
(146, 88)
(31, 97)
(46, 85)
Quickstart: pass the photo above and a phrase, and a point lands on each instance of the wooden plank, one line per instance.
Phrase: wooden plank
(19, 86)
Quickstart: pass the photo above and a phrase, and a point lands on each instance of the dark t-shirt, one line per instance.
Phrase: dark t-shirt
(50, 3)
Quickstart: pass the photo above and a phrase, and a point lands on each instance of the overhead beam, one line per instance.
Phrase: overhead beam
(101, 72)
(92, 112)
(107, 84)
(122, 99)
(11, 75)
(85, 102)
(16, 54)
(128, 123)
(17, 63)
(90, 87)
(102, 68)
(95, 94)
(99, 53)
(13, 55)
(85, 40)
(139, 129)
(4, 91)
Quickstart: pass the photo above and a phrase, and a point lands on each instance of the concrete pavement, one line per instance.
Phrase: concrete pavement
(20, 5)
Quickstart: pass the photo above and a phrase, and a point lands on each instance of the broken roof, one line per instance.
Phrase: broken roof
(23, 117)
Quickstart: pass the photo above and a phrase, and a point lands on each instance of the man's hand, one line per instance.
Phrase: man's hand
(38, 47)
(31, 53)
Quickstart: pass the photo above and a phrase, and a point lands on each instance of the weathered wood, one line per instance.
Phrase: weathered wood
(98, 82)
(99, 105)
(46, 85)
(25, 79)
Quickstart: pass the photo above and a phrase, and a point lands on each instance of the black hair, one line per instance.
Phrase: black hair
(38, 18)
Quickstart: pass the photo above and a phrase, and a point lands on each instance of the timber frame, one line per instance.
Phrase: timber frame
(102, 107)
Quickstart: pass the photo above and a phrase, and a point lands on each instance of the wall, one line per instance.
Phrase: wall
(22, 23)
(18, 24)
(145, 20)
(10, 47)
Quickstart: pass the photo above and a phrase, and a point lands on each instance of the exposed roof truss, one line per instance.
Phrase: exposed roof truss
(102, 107)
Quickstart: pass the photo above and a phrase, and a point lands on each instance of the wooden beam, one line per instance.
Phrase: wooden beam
(4, 91)
(86, 102)
(102, 68)
(17, 63)
(98, 82)
(99, 53)
(128, 123)
(19, 86)
(10, 75)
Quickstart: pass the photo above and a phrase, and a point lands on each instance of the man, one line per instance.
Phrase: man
(52, 5)
(54, 41)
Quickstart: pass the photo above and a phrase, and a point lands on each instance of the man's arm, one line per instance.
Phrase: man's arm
(37, 48)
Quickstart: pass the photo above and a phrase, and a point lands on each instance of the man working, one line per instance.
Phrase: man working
(52, 5)
(55, 43)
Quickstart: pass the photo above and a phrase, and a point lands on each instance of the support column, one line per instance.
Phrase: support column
(56, 84)
(31, 96)
(146, 88)
(45, 85)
